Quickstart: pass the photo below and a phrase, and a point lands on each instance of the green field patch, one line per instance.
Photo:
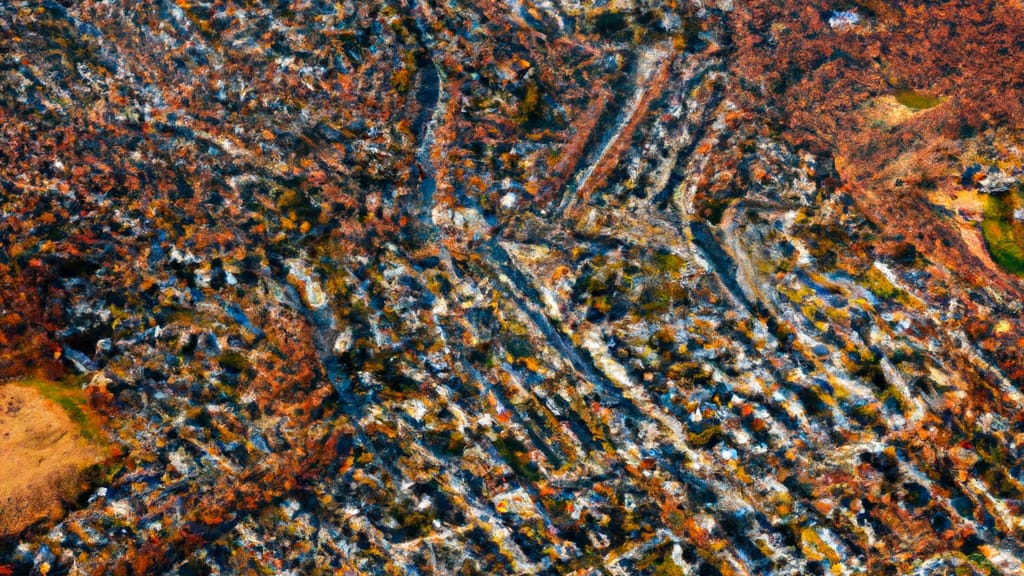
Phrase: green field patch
(1004, 236)
(916, 100)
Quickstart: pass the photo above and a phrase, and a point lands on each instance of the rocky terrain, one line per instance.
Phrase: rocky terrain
(540, 287)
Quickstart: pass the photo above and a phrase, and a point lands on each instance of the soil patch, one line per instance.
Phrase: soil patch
(48, 449)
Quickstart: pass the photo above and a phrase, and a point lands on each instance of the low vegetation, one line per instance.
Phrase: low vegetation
(1004, 235)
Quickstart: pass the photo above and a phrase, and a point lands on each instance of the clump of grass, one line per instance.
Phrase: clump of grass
(979, 559)
(916, 100)
(879, 285)
(668, 262)
(707, 437)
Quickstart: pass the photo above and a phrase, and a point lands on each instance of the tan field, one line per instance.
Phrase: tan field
(44, 457)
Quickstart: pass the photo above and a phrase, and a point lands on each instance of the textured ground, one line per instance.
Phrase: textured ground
(44, 458)
(553, 287)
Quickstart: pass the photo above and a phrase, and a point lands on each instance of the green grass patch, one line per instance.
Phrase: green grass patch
(879, 285)
(916, 100)
(668, 262)
(1004, 236)
(979, 559)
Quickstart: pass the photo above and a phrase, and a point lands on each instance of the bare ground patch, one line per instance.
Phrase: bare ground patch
(44, 458)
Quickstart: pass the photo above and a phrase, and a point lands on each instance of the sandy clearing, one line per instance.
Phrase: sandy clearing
(42, 459)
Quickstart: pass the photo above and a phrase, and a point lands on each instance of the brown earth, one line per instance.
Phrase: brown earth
(44, 459)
